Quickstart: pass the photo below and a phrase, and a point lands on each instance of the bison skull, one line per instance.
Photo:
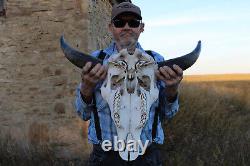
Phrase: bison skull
(130, 90)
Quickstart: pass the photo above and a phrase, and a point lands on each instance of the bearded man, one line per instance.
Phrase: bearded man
(126, 26)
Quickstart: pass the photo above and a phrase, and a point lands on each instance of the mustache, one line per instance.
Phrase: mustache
(123, 33)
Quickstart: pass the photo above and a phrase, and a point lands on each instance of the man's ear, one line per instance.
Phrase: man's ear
(142, 27)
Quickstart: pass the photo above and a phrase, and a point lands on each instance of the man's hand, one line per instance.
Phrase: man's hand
(172, 79)
(90, 77)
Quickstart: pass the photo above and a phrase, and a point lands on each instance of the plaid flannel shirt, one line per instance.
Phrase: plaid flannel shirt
(85, 111)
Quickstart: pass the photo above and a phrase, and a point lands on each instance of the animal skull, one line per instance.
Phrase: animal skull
(130, 87)
(130, 90)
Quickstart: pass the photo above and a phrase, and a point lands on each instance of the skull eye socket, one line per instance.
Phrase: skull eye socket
(116, 81)
(121, 63)
(140, 63)
(144, 82)
(143, 63)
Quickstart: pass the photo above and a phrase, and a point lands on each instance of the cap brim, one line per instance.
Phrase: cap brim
(128, 12)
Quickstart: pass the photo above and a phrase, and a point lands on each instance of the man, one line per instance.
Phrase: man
(126, 26)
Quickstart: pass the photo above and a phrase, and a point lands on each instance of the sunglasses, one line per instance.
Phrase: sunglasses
(118, 23)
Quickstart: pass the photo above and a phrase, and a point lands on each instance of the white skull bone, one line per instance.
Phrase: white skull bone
(130, 90)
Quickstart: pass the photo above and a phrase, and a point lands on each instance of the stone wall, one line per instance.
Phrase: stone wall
(37, 83)
(99, 16)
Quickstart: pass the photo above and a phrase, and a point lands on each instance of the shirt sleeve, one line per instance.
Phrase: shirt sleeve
(82, 108)
(168, 109)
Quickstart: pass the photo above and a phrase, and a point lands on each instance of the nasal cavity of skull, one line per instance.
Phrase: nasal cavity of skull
(144, 82)
(116, 81)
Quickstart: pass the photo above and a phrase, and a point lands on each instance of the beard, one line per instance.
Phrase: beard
(128, 40)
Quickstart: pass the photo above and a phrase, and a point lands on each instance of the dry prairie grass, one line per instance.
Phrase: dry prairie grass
(23, 153)
(213, 125)
(211, 128)
(217, 77)
(37, 148)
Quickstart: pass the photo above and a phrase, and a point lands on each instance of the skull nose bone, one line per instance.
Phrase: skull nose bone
(130, 76)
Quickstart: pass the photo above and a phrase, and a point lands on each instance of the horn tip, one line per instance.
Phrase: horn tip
(199, 44)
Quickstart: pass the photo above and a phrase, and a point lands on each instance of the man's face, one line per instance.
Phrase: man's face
(126, 35)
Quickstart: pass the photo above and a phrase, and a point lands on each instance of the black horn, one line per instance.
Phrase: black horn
(76, 57)
(184, 61)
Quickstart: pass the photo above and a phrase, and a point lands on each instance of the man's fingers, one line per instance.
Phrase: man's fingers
(164, 72)
(86, 67)
(159, 75)
(178, 70)
(95, 69)
(100, 72)
(171, 73)
(95, 74)
(104, 74)
(170, 76)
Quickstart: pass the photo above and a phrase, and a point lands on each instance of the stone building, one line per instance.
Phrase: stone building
(37, 83)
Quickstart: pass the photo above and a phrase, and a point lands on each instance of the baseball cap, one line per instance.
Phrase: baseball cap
(125, 7)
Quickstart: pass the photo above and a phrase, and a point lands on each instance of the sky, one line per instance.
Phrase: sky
(173, 28)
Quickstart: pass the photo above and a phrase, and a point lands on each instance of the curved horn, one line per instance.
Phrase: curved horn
(184, 61)
(78, 58)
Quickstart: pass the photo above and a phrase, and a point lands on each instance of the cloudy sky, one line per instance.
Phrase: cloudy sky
(173, 27)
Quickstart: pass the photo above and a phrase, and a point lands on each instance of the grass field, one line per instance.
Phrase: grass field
(213, 125)
(211, 128)
(217, 77)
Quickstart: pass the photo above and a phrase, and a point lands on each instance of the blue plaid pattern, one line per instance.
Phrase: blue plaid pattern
(106, 123)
